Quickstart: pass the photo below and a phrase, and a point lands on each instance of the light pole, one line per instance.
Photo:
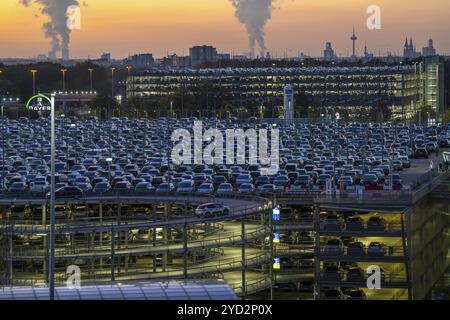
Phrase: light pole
(129, 68)
(90, 79)
(3, 150)
(145, 138)
(33, 73)
(52, 200)
(3, 147)
(112, 85)
(63, 71)
(51, 262)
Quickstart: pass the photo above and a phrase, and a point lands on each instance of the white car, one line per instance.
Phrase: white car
(39, 186)
(211, 210)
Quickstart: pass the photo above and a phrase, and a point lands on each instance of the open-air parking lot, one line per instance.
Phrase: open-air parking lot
(129, 161)
(123, 155)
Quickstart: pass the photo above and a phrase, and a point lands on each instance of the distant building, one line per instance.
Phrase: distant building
(42, 57)
(223, 56)
(328, 53)
(367, 55)
(354, 38)
(143, 60)
(240, 57)
(175, 61)
(430, 50)
(105, 56)
(201, 54)
(409, 50)
(354, 88)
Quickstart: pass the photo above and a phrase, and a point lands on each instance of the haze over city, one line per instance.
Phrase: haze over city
(175, 25)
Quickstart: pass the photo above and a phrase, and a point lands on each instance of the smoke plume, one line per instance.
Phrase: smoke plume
(56, 28)
(254, 14)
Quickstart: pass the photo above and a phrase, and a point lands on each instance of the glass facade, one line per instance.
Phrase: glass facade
(400, 87)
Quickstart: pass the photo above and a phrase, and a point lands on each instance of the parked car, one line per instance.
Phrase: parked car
(354, 223)
(356, 294)
(356, 248)
(356, 276)
(225, 188)
(334, 294)
(69, 192)
(143, 187)
(39, 187)
(208, 210)
(207, 188)
(333, 247)
(165, 187)
(376, 223)
(186, 186)
(376, 249)
(332, 223)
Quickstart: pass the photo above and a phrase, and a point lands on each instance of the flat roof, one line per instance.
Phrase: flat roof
(173, 290)
(278, 71)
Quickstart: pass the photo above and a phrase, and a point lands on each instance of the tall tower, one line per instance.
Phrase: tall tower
(354, 38)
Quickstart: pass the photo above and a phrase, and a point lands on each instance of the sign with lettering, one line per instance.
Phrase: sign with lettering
(39, 102)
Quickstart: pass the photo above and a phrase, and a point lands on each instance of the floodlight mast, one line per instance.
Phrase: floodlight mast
(51, 260)
(52, 200)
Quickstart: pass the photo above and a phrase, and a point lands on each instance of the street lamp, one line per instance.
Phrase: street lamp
(52, 190)
(112, 82)
(112, 85)
(3, 150)
(90, 79)
(129, 68)
(63, 71)
(34, 72)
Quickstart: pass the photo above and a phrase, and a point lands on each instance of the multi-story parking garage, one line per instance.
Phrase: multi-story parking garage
(322, 244)
(325, 238)
(406, 88)
(121, 238)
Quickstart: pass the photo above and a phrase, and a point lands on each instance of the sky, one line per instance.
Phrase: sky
(162, 26)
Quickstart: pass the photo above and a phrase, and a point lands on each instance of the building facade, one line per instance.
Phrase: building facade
(409, 50)
(200, 54)
(328, 54)
(404, 88)
(143, 60)
(429, 51)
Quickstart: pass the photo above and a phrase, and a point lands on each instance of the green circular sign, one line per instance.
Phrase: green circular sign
(40, 106)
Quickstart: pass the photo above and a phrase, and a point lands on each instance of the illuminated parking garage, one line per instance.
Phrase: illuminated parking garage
(314, 247)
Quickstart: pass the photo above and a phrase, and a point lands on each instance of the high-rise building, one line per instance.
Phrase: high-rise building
(429, 51)
(175, 61)
(328, 53)
(142, 60)
(200, 54)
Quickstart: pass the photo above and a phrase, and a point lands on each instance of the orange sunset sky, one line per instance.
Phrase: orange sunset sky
(158, 26)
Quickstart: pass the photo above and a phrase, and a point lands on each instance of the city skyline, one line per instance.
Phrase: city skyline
(144, 27)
